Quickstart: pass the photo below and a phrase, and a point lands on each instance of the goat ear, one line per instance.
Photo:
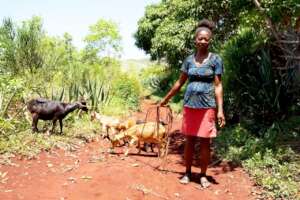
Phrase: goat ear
(83, 102)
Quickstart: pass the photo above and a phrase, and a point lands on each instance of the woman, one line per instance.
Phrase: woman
(203, 96)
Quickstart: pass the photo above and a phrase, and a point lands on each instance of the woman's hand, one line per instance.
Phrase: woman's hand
(221, 119)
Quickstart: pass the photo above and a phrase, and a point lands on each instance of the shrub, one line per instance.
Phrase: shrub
(128, 89)
(275, 175)
(268, 158)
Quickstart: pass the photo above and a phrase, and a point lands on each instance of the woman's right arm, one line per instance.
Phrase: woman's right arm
(176, 87)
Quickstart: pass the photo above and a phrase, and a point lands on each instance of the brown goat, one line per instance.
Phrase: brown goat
(107, 123)
(111, 125)
(146, 132)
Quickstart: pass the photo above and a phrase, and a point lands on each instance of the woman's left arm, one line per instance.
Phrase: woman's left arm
(219, 100)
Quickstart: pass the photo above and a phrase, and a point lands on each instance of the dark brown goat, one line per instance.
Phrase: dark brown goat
(51, 110)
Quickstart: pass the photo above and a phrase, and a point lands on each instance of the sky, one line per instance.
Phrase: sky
(75, 17)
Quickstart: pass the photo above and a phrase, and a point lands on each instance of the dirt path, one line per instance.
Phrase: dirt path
(91, 173)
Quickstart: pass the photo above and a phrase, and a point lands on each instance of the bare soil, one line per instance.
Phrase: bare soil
(91, 173)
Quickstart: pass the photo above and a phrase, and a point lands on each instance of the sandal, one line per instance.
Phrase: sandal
(204, 182)
(185, 179)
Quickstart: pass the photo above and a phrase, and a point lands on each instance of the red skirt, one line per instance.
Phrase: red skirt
(199, 122)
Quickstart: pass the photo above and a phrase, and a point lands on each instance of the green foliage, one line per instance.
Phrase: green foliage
(57, 52)
(279, 9)
(21, 46)
(154, 16)
(273, 164)
(96, 84)
(118, 107)
(8, 58)
(255, 89)
(52, 68)
(28, 41)
(167, 29)
(97, 93)
(104, 39)
(235, 144)
(158, 79)
(275, 175)
(251, 84)
(33, 64)
(5, 126)
(30, 144)
(27, 47)
(9, 90)
(128, 89)
(153, 76)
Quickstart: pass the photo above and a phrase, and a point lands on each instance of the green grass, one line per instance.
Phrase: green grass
(278, 177)
(270, 159)
(26, 143)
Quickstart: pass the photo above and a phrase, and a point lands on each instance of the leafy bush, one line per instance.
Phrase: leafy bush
(10, 90)
(152, 77)
(277, 176)
(252, 89)
(236, 144)
(17, 138)
(158, 80)
(269, 158)
(128, 89)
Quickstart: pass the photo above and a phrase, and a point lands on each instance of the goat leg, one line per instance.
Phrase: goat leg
(147, 146)
(139, 147)
(151, 145)
(53, 126)
(35, 119)
(126, 151)
(107, 132)
(61, 125)
(159, 152)
(131, 143)
(104, 132)
(162, 149)
(107, 135)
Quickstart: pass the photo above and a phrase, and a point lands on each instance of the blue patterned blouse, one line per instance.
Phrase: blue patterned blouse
(200, 91)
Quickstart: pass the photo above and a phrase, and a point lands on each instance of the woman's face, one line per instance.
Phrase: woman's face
(202, 39)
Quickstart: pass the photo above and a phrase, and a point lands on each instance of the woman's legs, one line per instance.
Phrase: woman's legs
(188, 153)
(204, 160)
(204, 154)
(188, 156)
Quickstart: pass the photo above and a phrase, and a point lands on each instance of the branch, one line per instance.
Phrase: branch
(297, 25)
(257, 4)
(289, 42)
(267, 19)
(291, 57)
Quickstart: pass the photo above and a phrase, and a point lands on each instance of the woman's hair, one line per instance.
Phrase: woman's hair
(205, 24)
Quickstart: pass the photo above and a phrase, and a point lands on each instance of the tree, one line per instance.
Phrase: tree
(7, 46)
(28, 41)
(103, 40)
(20, 45)
(258, 39)
(167, 29)
(70, 49)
